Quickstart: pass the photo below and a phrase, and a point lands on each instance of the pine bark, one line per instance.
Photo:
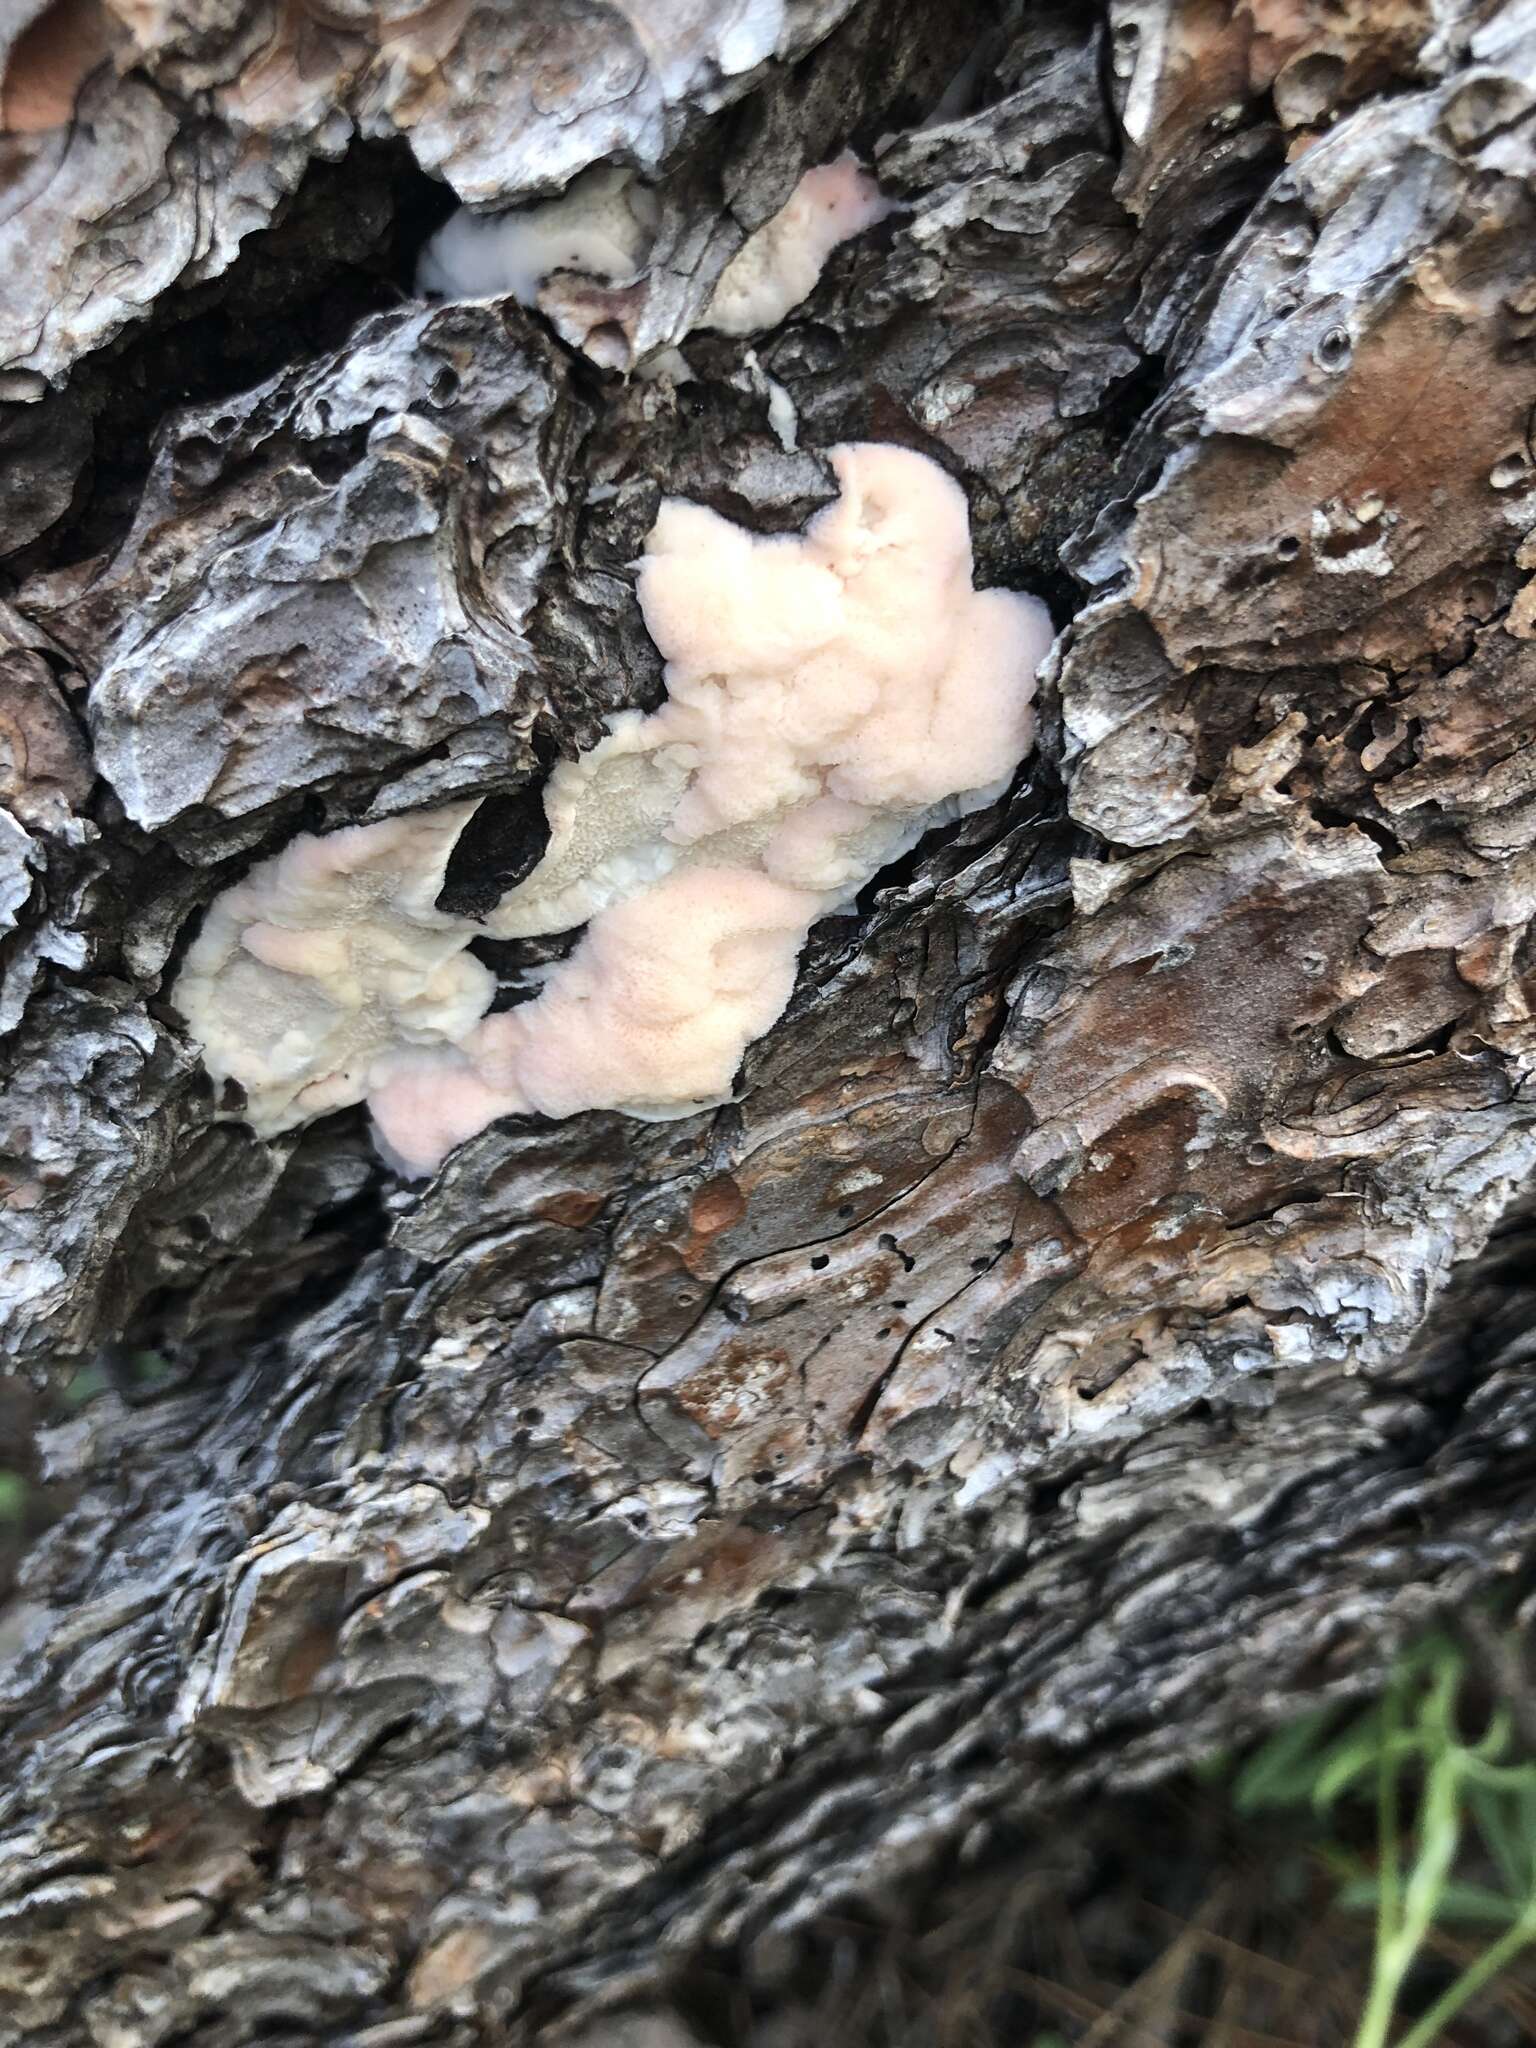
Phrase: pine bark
(1104, 1323)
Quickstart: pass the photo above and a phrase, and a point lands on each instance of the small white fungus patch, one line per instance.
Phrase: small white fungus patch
(777, 267)
(328, 957)
(601, 225)
(830, 696)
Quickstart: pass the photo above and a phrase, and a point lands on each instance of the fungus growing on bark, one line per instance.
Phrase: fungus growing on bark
(328, 957)
(601, 225)
(604, 222)
(777, 267)
(831, 695)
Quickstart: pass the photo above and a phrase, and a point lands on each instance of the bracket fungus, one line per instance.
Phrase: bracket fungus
(831, 695)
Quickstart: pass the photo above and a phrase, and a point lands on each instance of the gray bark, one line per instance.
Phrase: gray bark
(1105, 1320)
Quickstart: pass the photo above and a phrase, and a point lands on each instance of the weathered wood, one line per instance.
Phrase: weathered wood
(1105, 1318)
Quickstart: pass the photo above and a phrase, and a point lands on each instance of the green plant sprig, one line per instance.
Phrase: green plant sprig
(1407, 1752)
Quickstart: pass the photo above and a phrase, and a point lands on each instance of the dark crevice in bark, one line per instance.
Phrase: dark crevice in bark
(344, 246)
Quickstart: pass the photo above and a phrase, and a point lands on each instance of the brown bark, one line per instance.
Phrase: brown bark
(1104, 1321)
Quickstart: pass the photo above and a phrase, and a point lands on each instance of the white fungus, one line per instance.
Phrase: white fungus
(601, 225)
(777, 267)
(830, 696)
(328, 957)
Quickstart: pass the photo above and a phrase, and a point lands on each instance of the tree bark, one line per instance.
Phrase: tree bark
(1104, 1321)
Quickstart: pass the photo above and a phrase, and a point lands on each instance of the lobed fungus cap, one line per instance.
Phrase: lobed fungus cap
(831, 695)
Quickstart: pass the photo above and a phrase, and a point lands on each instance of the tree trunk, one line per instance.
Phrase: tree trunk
(1104, 1320)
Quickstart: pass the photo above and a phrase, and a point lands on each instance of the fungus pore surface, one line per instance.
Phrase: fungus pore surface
(830, 696)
